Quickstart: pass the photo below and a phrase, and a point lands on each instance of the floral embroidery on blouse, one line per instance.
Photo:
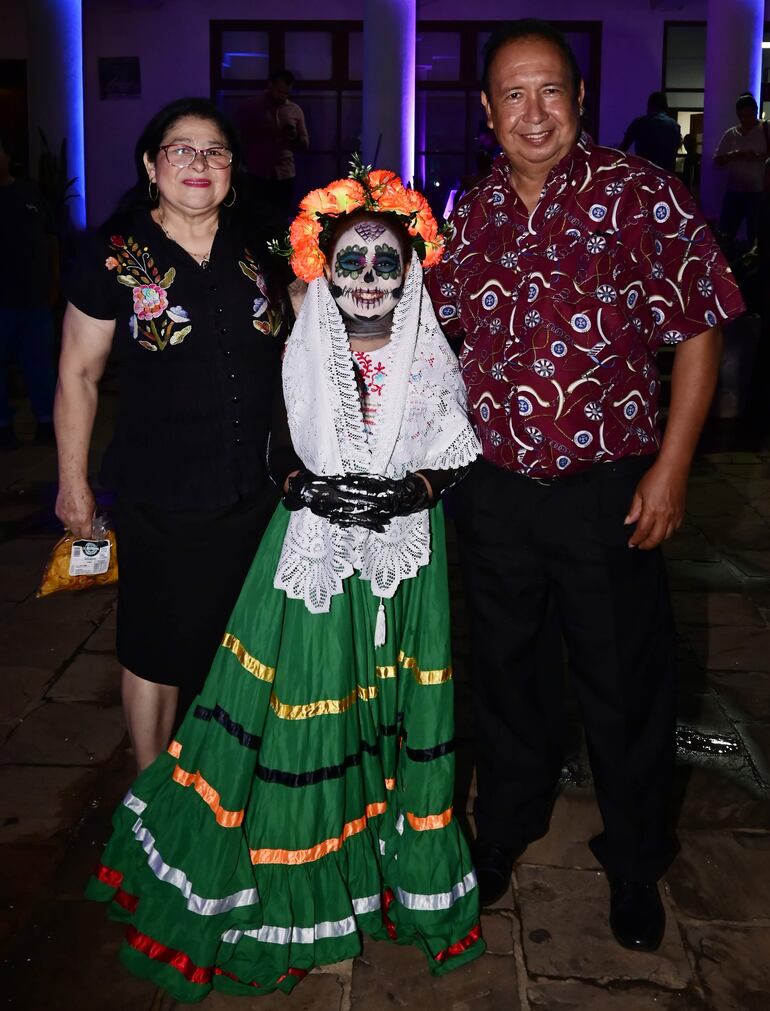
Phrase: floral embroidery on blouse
(265, 318)
(153, 324)
(373, 374)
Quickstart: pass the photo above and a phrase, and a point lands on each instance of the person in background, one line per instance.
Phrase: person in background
(691, 167)
(273, 130)
(655, 136)
(29, 288)
(742, 152)
(570, 265)
(173, 288)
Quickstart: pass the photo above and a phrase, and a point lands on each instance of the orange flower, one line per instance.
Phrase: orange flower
(111, 263)
(347, 193)
(433, 252)
(304, 229)
(319, 202)
(382, 181)
(308, 263)
(394, 200)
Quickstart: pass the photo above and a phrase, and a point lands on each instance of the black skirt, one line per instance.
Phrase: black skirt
(180, 573)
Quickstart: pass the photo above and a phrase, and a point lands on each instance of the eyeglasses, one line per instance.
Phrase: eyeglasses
(182, 156)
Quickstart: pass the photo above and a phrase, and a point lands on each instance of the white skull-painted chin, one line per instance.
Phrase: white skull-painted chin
(367, 269)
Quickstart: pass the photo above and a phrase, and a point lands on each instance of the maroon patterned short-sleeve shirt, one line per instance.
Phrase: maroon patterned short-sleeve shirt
(561, 312)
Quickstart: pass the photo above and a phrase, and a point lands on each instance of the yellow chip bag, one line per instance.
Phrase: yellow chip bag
(76, 564)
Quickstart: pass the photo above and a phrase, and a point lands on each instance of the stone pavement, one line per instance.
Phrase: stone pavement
(64, 764)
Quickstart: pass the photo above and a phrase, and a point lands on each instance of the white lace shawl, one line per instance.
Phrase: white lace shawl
(421, 422)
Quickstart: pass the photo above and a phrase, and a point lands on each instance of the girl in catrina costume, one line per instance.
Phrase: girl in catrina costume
(306, 799)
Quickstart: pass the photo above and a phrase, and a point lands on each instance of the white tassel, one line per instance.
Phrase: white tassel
(380, 628)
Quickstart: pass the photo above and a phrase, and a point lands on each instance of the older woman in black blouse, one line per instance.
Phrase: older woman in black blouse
(175, 292)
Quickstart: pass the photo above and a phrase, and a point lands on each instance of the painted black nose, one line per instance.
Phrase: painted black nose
(368, 277)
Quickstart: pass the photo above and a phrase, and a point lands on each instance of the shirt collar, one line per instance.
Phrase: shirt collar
(572, 162)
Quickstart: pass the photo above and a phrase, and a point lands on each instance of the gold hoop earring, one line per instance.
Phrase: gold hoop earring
(153, 196)
(232, 188)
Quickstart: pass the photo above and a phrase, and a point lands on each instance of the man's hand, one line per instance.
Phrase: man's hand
(657, 507)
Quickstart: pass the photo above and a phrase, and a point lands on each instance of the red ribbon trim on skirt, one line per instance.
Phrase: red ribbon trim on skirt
(184, 964)
(109, 877)
(459, 946)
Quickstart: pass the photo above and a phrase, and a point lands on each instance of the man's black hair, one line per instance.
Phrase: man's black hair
(528, 28)
(282, 75)
(657, 102)
(746, 101)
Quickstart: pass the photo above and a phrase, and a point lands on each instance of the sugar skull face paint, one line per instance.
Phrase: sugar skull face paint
(367, 270)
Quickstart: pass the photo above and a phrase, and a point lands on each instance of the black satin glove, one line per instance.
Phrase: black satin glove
(342, 499)
(367, 500)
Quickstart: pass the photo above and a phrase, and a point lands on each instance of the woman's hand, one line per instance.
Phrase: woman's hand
(75, 507)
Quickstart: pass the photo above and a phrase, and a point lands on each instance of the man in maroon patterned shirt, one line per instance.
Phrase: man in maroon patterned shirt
(569, 267)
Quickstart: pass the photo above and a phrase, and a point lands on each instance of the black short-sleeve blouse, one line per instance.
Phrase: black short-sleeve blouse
(197, 356)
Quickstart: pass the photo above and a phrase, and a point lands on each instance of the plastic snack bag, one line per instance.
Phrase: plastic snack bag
(78, 564)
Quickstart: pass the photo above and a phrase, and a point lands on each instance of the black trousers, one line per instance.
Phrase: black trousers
(527, 548)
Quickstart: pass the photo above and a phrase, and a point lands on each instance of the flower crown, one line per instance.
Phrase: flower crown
(375, 190)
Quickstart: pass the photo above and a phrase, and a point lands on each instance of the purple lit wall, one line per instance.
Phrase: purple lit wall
(55, 88)
(733, 65)
(389, 92)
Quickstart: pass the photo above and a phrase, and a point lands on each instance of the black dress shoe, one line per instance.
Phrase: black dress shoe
(637, 917)
(494, 866)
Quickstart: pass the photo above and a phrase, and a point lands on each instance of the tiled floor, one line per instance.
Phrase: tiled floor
(64, 765)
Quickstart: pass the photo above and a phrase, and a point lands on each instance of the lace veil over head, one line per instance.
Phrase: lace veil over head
(421, 422)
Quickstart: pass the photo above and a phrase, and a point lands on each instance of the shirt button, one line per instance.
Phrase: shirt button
(235, 400)
(236, 422)
(223, 330)
(232, 375)
(220, 308)
(212, 288)
(226, 352)
(236, 442)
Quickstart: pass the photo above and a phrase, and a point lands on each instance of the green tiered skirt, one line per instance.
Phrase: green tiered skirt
(306, 799)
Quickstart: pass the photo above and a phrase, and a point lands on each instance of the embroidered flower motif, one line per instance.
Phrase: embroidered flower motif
(153, 325)
(265, 318)
(178, 314)
(149, 301)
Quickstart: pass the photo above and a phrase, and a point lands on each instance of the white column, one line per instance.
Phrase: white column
(55, 88)
(388, 99)
(733, 65)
